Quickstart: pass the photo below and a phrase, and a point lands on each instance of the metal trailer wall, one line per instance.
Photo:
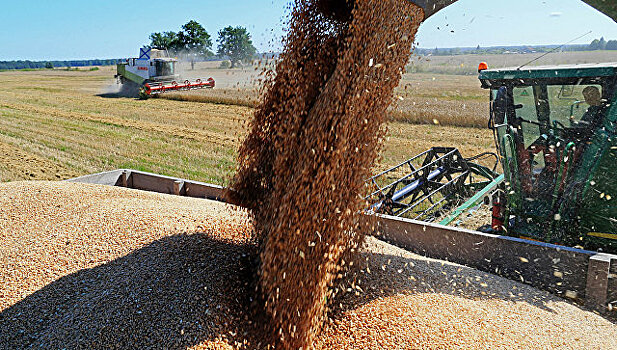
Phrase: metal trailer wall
(573, 273)
(582, 275)
(144, 181)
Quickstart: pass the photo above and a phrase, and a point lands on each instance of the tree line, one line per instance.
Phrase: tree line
(191, 42)
(194, 42)
(601, 44)
(596, 44)
(26, 64)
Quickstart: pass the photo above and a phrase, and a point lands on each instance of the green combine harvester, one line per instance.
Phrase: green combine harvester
(153, 73)
(555, 134)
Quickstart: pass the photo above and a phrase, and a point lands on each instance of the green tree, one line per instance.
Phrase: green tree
(236, 44)
(595, 45)
(194, 41)
(164, 41)
(602, 44)
(49, 65)
(611, 45)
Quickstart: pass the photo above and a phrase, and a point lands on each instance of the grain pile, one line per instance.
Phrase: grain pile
(405, 301)
(85, 266)
(94, 267)
(313, 140)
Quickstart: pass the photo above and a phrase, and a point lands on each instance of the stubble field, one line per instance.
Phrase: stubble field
(60, 124)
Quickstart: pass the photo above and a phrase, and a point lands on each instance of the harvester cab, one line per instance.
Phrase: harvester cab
(554, 130)
(154, 72)
(555, 135)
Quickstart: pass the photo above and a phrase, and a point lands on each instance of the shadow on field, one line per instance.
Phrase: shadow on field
(121, 91)
(117, 95)
(111, 95)
(173, 293)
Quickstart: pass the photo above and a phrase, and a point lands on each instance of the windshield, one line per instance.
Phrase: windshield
(565, 104)
(164, 68)
(568, 104)
(538, 108)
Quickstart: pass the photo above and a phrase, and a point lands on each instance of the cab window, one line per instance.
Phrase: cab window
(568, 103)
(526, 111)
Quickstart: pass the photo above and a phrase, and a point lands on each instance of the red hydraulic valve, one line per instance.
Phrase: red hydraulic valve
(499, 211)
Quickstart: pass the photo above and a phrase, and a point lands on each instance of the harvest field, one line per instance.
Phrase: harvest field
(468, 63)
(57, 124)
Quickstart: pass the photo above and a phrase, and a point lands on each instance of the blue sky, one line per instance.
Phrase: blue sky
(71, 29)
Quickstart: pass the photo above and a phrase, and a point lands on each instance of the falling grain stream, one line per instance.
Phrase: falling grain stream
(312, 142)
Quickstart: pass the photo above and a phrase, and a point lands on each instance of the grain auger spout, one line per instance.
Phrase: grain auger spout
(341, 9)
(430, 7)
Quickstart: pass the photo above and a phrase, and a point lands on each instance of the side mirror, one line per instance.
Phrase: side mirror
(500, 106)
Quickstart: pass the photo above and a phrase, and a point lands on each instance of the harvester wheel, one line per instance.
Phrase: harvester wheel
(142, 93)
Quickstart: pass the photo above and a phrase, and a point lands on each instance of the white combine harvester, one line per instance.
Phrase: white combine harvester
(154, 72)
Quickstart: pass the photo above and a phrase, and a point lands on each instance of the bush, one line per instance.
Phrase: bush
(94, 68)
(225, 64)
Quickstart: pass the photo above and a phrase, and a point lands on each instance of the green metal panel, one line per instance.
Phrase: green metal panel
(600, 201)
(596, 204)
(121, 68)
(477, 198)
(550, 72)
